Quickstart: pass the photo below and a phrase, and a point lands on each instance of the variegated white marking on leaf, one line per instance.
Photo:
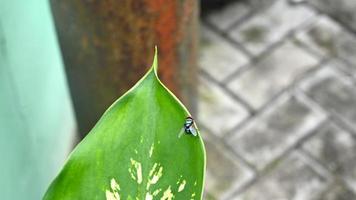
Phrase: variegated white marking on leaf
(110, 195)
(151, 150)
(180, 178)
(114, 185)
(181, 186)
(148, 196)
(167, 195)
(114, 193)
(136, 171)
(156, 192)
(192, 196)
(155, 174)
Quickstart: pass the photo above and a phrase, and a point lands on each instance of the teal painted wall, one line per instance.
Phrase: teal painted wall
(37, 123)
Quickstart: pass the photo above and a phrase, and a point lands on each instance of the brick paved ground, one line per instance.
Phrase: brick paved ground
(278, 100)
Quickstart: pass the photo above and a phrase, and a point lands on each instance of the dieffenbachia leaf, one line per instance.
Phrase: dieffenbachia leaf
(134, 151)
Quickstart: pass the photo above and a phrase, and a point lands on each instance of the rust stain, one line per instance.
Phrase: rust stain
(187, 14)
(108, 45)
(166, 29)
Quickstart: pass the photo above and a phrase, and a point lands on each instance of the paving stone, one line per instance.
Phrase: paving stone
(228, 15)
(328, 38)
(287, 120)
(337, 191)
(343, 10)
(345, 67)
(218, 111)
(297, 1)
(267, 137)
(218, 57)
(291, 179)
(224, 171)
(334, 91)
(272, 74)
(260, 5)
(269, 26)
(335, 148)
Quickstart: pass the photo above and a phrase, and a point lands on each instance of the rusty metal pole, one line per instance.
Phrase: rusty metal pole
(107, 45)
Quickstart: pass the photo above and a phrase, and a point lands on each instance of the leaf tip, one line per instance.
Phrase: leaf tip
(155, 60)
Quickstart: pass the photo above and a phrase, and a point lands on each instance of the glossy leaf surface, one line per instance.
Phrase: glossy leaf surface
(134, 151)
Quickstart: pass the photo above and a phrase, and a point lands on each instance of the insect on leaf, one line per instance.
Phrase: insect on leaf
(133, 152)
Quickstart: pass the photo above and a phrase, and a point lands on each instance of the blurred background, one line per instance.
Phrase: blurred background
(271, 84)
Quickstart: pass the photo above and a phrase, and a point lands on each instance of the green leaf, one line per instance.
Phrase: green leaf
(134, 151)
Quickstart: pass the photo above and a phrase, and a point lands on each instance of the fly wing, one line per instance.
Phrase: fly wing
(193, 131)
(181, 132)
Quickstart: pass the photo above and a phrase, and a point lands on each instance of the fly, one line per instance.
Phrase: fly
(188, 127)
